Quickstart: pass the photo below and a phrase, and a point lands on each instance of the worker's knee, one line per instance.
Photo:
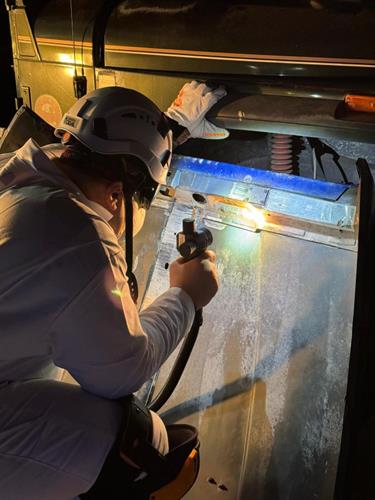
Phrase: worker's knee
(143, 432)
(142, 460)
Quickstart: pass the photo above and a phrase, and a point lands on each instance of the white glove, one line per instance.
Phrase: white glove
(197, 277)
(190, 107)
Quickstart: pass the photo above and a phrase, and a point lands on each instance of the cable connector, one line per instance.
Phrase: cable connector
(80, 86)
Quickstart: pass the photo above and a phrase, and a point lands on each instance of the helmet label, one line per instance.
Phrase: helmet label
(71, 121)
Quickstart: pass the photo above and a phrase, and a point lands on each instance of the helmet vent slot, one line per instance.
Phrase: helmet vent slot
(100, 128)
(165, 157)
(83, 112)
(163, 126)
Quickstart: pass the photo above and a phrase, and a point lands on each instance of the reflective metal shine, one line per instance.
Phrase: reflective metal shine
(266, 381)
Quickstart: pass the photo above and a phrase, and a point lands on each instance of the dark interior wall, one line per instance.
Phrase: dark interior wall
(8, 90)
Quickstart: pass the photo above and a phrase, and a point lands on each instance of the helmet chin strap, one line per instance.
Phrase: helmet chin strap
(132, 280)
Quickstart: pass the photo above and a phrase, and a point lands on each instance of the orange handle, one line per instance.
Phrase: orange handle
(362, 103)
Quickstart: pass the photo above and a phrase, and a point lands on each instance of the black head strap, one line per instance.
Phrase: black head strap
(132, 280)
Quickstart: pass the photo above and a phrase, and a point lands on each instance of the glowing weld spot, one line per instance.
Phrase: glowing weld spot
(117, 292)
(254, 215)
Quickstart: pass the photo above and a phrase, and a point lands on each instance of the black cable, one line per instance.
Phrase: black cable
(336, 161)
(73, 36)
(179, 365)
(82, 42)
(191, 243)
(132, 280)
(320, 149)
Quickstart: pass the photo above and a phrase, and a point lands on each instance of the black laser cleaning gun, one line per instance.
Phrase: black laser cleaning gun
(192, 241)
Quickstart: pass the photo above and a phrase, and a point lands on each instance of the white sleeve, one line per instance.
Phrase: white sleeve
(106, 345)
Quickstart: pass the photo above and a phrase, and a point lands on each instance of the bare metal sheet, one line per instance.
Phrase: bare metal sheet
(267, 378)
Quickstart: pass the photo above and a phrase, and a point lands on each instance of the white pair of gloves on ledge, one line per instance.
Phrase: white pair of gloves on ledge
(190, 108)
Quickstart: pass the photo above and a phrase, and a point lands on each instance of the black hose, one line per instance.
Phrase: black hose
(179, 365)
(192, 244)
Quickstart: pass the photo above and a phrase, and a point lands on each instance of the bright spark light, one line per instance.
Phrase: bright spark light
(254, 215)
(116, 292)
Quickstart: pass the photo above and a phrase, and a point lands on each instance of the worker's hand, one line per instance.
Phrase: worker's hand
(190, 107)
(197, 277)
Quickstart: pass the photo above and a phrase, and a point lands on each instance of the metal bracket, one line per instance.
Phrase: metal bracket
(10, 4)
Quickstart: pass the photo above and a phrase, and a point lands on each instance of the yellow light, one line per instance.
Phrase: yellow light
(69, 59)
(65, 58)
(254, 215)
(116, 292)
(246, 210)
(69, 71)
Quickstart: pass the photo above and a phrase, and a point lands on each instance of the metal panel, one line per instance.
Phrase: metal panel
(312, 117)
(53, 31)
(283, 38)
(266, 382)
(248, 175)
(51, 85)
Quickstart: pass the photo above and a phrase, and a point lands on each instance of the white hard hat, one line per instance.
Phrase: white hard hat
(119, 121)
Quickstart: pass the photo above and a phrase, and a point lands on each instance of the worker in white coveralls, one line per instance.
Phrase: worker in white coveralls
(64, 296)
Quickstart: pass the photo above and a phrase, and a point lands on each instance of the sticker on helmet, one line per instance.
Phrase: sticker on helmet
(49, 109)
(70, 121)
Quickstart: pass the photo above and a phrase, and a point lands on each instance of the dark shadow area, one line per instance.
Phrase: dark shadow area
(26, 124)
(8, 87)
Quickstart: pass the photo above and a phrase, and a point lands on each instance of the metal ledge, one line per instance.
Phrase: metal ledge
(311, 117)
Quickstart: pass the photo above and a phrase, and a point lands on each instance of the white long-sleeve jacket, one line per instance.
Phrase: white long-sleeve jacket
(64, 298)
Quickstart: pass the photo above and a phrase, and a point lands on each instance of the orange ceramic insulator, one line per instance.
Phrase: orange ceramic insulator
(282, 153)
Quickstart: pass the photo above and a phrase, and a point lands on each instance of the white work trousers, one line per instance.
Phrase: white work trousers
(55, 437)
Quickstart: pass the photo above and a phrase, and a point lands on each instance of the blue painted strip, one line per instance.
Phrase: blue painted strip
(266, 178)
